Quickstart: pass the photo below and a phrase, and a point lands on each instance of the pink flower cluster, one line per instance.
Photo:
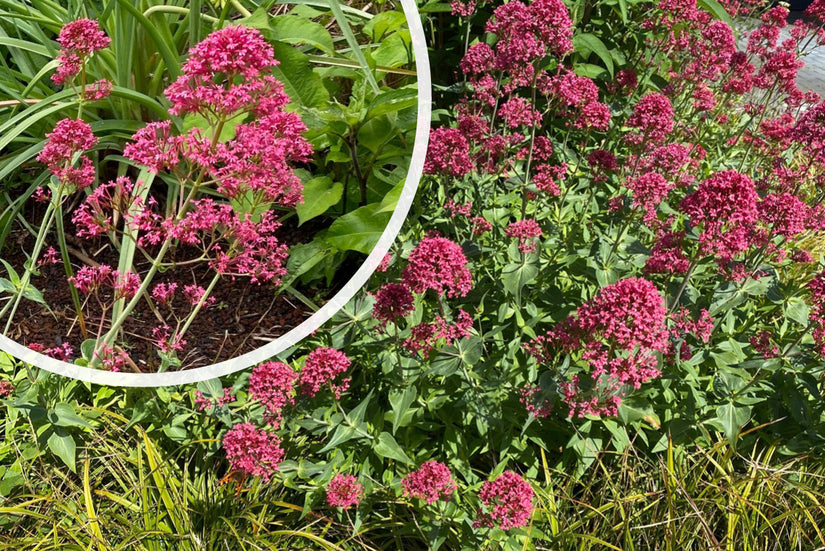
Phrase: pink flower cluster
(448, 153)
(273, 385)
(321, 367)
(92, 279)
(725, 207)
(78, 40)
(527, 231)
(63, 352)
(533, 402)
(426, 336)
(393, 302)
(344, 491)
(508, 501)
(616, 335)
(6, 388)
(69, 136)
(203, 403)
(431, 481)
(253, 451)
(439, 264)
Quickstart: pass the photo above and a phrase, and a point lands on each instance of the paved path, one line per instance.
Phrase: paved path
(812, 75)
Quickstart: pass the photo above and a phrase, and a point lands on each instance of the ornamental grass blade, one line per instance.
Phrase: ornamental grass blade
(346, 29)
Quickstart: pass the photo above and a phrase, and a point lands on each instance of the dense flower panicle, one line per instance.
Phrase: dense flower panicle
(194, 293)
(439, 264)
(83, 37)
(517, 112)
(68, 137)
(479, 59)
(154, 147)
(480, 225)
(508, 500)
(225, 73)
(456, 209)
(448, 153)
(725, 207)
(815, 11)
(68, 66)
(786, 214)
(393, 302)
(617, 334)
(344, 491)
(527, 33)
(6, 388)
(649, 189)
(527, 231)
(253, 451)
(273, 384)
(321, 367)
(431, 481)
(653, 117)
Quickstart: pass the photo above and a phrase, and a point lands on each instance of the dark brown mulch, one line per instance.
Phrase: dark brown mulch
(244, 316)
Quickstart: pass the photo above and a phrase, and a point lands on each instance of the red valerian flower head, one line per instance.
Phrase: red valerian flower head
(82, 37)
(321, 367)
(439, 264)
(253, 451)
(393, 302)
(508, 500)
(448, 153)
(725, 207)
(653, 117)
(344, 491)
(273, 384)
(431, 481)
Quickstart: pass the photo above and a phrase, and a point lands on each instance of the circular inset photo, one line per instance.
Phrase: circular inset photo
(173, 216)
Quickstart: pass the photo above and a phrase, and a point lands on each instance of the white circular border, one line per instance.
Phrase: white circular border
(422, 134)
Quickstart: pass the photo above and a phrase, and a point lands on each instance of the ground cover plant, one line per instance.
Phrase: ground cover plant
(601, 328)
(151, 232)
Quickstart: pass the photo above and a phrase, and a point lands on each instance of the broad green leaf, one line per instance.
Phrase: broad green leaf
(401, 402)
(383, 24)
(586, 43)
(392, 101)
(358, 230)
(63, 415)
(797, 310)
(319, 195)
(298, 30)
(394, 50)
(64, 447)
(342, 434)
(715, 8)
(388, 448)
(301, 83)
(516, 275)
(730, 419)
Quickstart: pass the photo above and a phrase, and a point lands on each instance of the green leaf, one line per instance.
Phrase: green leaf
(797, 310)
(394, 50)
(64, 447)
(587, 43)
(87, 348)
(383, 24)
(730, 419)
(715, 8)
(301, 83)
(388, 448)
(515, 276)
(319, 195)
(298, 30)
(392, 102)
(401, 402)
(341, 435)
(358, 230)
(63, 415)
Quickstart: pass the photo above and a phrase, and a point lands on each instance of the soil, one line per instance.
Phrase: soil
(244, 316)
